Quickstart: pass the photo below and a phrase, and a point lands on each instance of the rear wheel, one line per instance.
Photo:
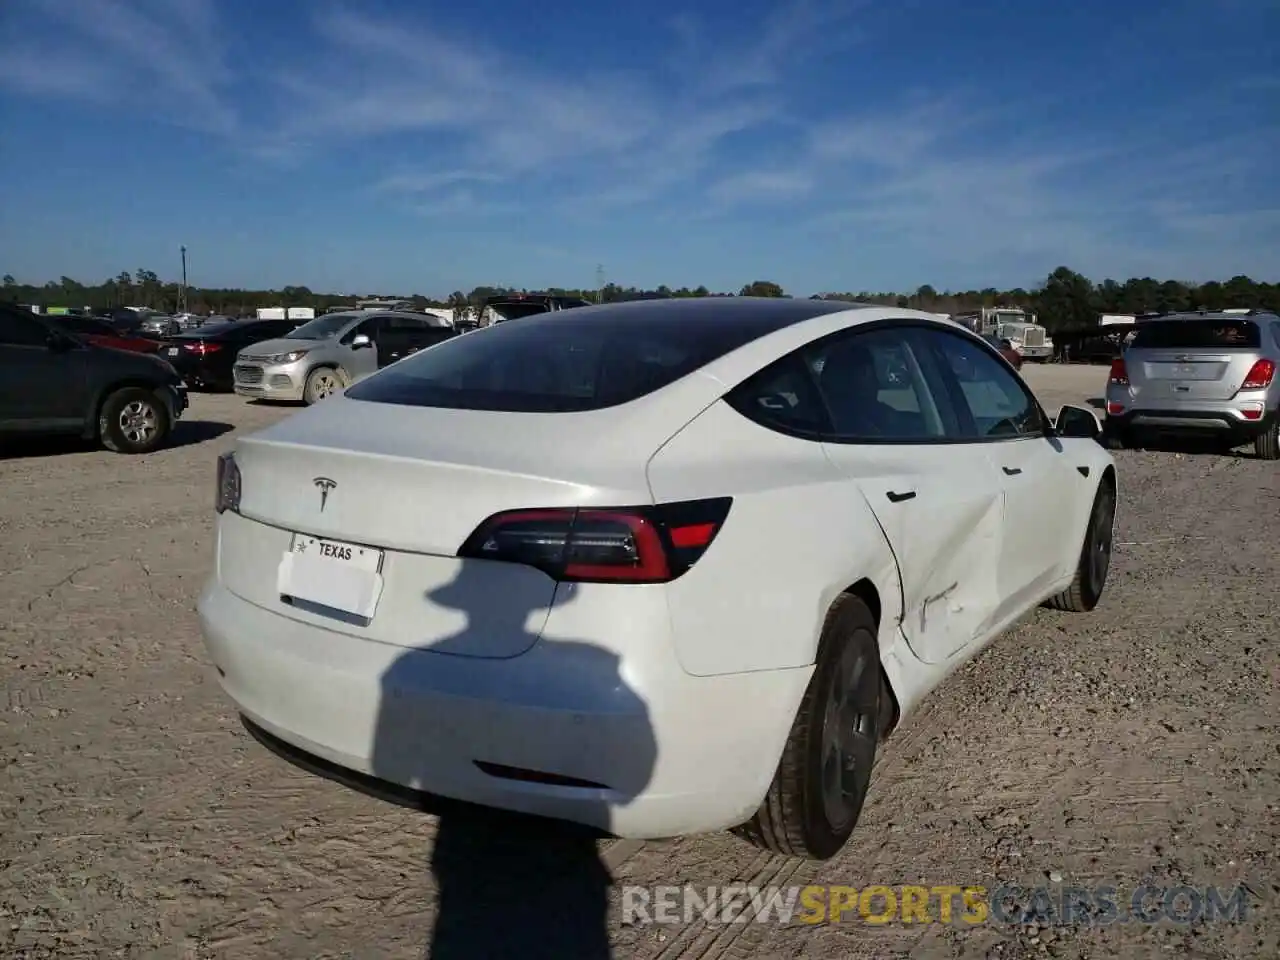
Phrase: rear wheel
(133, 420)
(1266, 446)
(821, 782)
(321, 382)
(1095, 556)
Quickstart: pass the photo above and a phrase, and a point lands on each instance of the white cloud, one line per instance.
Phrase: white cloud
(161, 56)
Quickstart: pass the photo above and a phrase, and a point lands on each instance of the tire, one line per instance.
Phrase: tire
(133, 420)
(799, 817)
(1266, 446)
(321, 382)
(1095, 556)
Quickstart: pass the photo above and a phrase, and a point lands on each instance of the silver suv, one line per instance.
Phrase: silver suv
(1212, 374)
(331, 352)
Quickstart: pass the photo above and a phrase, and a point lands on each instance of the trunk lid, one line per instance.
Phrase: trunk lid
(405, 486)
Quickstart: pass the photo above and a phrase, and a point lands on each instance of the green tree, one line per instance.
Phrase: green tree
(761, 288)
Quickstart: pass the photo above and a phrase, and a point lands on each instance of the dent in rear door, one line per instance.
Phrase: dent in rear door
(941, 511)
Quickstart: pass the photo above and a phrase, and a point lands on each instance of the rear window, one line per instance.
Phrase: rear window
(511, 311)
(1197, 334)
(557, 363)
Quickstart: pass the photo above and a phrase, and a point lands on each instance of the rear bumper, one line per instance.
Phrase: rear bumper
(633, 744)
(1225, 420)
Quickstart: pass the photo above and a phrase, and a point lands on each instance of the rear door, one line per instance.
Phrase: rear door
(1195, 359)
(897, 440)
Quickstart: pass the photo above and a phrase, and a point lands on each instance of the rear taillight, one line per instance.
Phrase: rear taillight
(602, 545)
(1260, 375)
(202, 349)
(227, 495)
(1119, 375)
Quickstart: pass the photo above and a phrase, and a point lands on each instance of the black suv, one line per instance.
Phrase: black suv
(52, 382)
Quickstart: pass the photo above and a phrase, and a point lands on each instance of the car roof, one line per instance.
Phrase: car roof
(1206, 315)
(763, 315)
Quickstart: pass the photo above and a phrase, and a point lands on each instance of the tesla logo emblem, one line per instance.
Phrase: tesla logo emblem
(324, 485)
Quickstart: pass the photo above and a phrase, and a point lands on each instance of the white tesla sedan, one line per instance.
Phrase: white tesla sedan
(659, 567)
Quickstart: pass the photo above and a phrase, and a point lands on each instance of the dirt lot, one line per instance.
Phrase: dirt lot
(139, 819)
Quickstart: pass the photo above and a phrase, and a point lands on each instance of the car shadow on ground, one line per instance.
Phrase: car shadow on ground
(1098, 403)
(509, 884)
(185, 434)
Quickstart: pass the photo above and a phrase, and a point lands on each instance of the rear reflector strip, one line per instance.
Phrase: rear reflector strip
(696, 535)
(503, 772)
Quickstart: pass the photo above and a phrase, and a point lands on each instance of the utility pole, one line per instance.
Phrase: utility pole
(182, 297)
(599, 283)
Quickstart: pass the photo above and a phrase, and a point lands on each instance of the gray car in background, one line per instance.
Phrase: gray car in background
(1210, 374)
(327, 354)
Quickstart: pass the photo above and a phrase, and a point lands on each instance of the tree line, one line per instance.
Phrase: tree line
(1066, 302)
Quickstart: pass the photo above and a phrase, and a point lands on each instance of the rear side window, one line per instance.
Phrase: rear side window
(1197, 335)
(555, 363)
(783, 397)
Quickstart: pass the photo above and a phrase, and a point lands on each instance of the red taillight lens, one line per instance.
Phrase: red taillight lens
(1119, 375)
(1260, 375)
(202, 349)
(603, 545)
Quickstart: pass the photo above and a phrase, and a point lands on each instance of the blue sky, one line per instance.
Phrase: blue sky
(392, 145)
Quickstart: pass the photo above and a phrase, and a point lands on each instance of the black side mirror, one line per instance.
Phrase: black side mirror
(57, 343)
(1077, 423)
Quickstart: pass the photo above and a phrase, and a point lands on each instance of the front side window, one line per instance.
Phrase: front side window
(368, 328)
(997, 404)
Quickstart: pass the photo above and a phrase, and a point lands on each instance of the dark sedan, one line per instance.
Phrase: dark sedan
(204, 356)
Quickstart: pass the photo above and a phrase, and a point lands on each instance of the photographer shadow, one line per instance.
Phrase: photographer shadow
(513, 884)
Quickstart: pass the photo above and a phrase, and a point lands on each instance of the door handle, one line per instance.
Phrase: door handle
(1011, 471)
(895, 497)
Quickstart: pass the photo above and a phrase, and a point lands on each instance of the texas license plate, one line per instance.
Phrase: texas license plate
(346, 577)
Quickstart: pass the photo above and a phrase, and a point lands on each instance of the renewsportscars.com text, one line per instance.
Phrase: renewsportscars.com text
(947, 904)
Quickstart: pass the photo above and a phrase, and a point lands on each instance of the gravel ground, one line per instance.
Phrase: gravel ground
(139, 819)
